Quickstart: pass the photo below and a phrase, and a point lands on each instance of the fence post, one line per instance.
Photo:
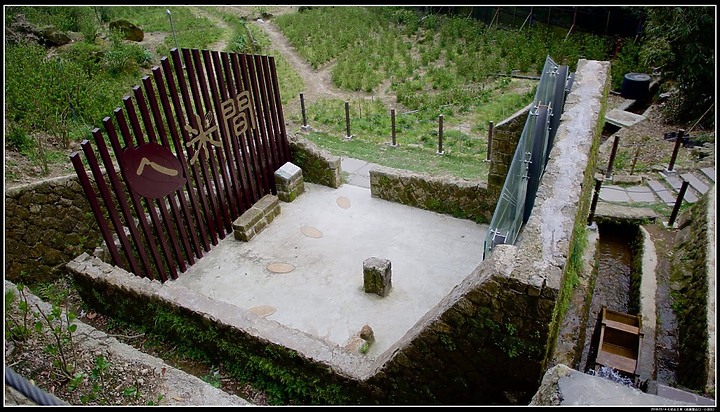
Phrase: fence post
(593, 205)
(440, 135)
(392, 122)
(678, 203)
(347, 120)
(678, 140)
(302, 108)
(612, 157)
(490, 139)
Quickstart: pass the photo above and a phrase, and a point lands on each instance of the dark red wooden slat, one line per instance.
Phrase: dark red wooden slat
(160, 206)
(225, 193)
(177, 217)
(134, 124)
(122, 200)
(233, 78)
(193, 225)
(199, 172)
(270, 156)
(243, 83)
(95, 206)
(234, 186)
(264, 155)
(281, 117)
(224, 101)
(217, 195)
(270, 99)
(139, 208)
(110, 207)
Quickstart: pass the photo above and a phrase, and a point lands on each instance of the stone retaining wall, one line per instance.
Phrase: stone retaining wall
(318, 165)
(692, 276)
(46, 225)
(506, 135)
(461, 198)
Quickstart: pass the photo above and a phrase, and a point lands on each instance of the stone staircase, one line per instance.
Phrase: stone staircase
(667, 185)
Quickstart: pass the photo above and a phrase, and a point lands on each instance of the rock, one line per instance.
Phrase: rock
(130, 31)
(50, 36)
(367, 334)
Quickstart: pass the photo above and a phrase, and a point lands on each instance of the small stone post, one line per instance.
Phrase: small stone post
(289, 182)
(377, 276)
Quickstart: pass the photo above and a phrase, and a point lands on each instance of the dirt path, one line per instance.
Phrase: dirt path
(318, 83)
(221, 45)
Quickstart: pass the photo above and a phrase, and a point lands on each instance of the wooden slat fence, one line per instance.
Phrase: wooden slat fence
(195, 146)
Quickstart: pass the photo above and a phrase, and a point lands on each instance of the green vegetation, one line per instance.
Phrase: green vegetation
(681, 43)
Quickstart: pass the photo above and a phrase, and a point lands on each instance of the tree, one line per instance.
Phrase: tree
(680, 43)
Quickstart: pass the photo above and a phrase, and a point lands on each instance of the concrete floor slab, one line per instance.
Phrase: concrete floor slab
(322, 294)
(622, 118)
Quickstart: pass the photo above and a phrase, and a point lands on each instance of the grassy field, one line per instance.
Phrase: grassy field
(430, 65)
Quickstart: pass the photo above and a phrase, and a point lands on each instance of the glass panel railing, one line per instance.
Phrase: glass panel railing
(528, 163)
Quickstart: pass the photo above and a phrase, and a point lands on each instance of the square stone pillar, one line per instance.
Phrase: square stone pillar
(377, 274)
(289, 182)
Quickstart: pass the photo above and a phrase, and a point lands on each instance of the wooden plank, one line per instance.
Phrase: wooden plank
(139, 212)
(621, 326)
(258, 175)
(199, 173)
(173, 253)
(180, 223)
(109, 206)
(618, 362)
(226, 91)
(168, 223)
(206, 160)
(122, 200)
(267, 119)
(228, 166)
(218, 169)
(275, 146)
(264, 155)
(95, 206)
(193, 220)
(278, 100)
(159, 262)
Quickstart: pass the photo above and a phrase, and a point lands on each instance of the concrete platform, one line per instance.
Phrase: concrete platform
(622, 118)
(305, 270)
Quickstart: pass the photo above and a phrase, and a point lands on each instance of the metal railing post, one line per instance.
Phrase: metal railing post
(593, 205)
(440, 135)
(612, 157)
(490, 139)
(678, 203)
(392, 122)
(302, 108)
(678, 140)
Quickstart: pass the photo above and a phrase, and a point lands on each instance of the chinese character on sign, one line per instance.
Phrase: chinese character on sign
(204, 136)
(152, 170)
(234, 110)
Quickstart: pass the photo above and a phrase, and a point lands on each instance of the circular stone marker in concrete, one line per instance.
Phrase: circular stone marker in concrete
(343, 202)
(310, 231)
(280, 267)
(263, 310)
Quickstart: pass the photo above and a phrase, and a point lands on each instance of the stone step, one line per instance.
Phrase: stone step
(676, 183)
(695, 183)
(709, 172)
(662, 192)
